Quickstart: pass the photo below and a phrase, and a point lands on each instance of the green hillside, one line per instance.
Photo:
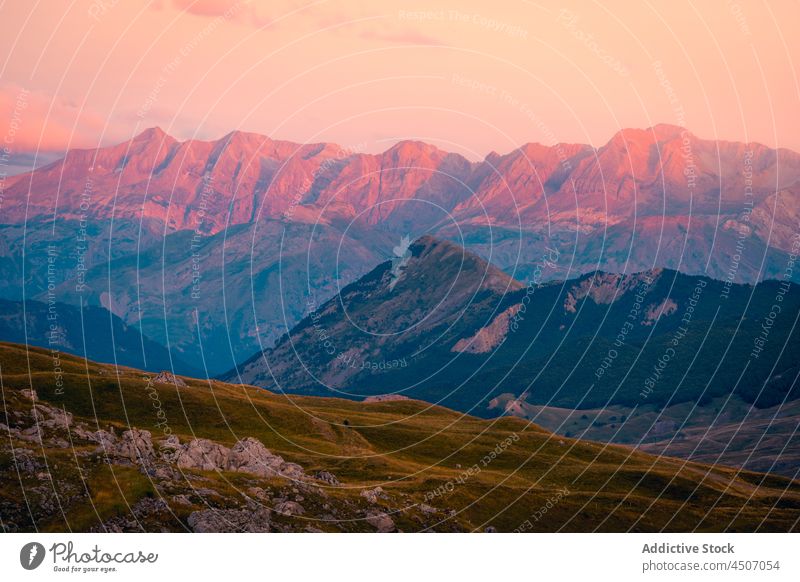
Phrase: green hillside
(437, 469)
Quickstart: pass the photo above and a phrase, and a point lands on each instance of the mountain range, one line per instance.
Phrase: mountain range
(641, 293)
(216, 247)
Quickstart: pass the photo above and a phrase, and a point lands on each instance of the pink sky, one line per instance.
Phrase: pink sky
(470, 77)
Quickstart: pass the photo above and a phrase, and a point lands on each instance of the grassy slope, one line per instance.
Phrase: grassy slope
(409, 448)
(726, 430)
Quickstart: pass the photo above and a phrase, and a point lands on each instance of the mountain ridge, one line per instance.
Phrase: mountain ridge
(444, 338)
(262, 221)
(242, 166)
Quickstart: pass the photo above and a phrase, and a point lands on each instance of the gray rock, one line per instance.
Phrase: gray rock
(136, 445)
(163, 473)
(380, 521)
(257, 492)
(292, 471)
(30, 394)
(289, 508)
(373, 495)
(249, 455)
(169, 448)
(106, 440)
(202, 454)
(51, 417)
(427, 509)
(326, 477)
(168, 378)
(251, 520)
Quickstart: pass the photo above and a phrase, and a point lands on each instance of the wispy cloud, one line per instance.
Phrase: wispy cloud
(33, 120)
(406, 36)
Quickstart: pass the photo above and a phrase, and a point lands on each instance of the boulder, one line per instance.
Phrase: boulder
(135, 445)
(106, 440)
(289, 508)
(202, 454)
(50, 417)
(381, 522)
(168, 378)
(30, 394)
(427, 509)
(250, 520)
(292, 471)
(326, 477)
(373, 495)
(249, 455)
(169, 448)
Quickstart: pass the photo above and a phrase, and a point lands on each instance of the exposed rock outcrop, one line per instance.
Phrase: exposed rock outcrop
(605, 288)
(202, 454)
(373, 495)
(326, 477)
(656, 311)
(250, 520)
(168, 378)
(289, 508)
(385, 398)
(380, 521)
(136, 445)
(488, 338)
(248, 455)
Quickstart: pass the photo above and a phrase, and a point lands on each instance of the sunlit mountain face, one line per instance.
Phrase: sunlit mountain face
(217, 247)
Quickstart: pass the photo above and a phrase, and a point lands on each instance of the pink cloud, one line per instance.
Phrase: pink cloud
(400, 36)
(206, 7)
(34, 121)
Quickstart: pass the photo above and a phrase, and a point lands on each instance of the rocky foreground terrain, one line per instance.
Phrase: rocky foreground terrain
(90, 447)
(267, 493)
